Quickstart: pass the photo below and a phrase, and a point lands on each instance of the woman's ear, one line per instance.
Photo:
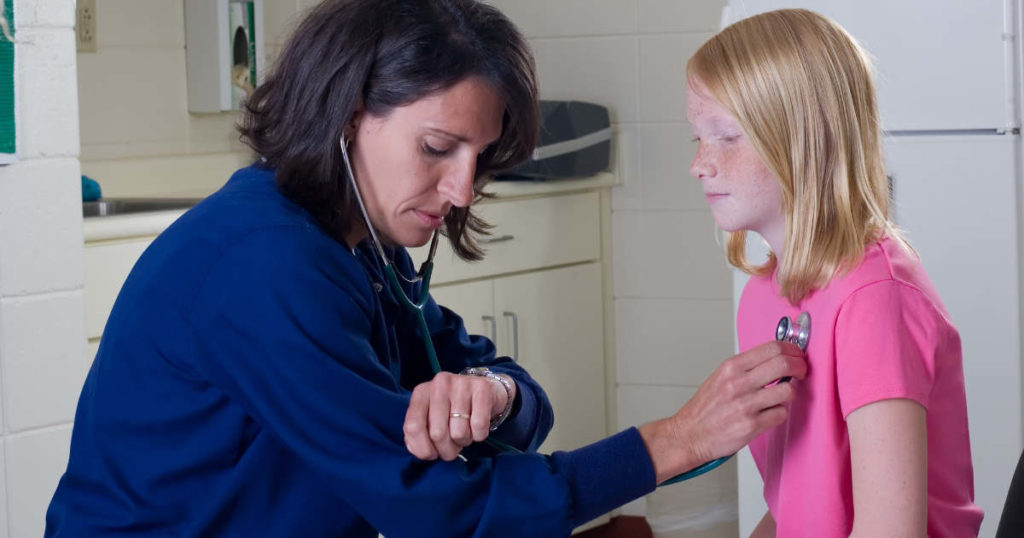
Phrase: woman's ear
(353, 124)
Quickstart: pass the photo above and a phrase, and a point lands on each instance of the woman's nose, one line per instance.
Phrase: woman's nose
(457, 184)
(701, 166)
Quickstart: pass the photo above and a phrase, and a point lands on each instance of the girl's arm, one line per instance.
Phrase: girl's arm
(766, 528)
(889, 459)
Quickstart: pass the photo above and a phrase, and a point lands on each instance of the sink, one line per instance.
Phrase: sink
(109, 207)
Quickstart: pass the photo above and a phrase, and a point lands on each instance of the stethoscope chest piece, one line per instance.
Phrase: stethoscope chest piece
(798, 332)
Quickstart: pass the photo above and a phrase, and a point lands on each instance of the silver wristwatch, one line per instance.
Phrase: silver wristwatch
(486, 372)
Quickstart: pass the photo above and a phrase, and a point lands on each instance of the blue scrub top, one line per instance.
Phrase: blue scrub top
(253, 380)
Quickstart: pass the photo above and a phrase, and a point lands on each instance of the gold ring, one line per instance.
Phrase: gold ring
(460, 415)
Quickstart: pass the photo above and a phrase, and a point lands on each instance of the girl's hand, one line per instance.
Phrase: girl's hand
(451, 411)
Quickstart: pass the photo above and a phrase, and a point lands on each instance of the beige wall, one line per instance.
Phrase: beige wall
(138, 137)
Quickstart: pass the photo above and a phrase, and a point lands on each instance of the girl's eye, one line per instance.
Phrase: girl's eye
(695, 139)
(434, 152)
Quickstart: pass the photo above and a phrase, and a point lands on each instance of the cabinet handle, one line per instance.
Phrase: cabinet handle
(494, 327)
(515, 334)
(499, 239)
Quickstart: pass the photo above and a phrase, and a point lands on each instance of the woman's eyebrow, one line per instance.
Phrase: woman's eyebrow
(455, 136)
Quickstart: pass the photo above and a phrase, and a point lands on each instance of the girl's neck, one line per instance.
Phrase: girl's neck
(776, 239)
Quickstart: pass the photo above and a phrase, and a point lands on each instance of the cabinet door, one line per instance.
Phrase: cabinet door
(558, 318)
(473, 301)
(106, 268)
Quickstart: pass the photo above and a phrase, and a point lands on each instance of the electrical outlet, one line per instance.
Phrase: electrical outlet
(85, 25)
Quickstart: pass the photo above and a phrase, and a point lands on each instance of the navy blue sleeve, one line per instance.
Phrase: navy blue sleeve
(531, 417)
(285, 326)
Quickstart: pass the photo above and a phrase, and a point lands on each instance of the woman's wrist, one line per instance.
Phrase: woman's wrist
(670, 453)
(505, 393)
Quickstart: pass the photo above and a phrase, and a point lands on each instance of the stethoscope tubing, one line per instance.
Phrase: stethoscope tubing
(415, 307)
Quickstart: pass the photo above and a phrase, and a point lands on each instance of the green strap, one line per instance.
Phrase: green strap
(7, 130)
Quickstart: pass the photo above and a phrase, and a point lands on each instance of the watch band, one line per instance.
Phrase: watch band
(482, 371)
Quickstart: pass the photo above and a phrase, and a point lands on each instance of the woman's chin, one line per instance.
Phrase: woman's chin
(414, 240)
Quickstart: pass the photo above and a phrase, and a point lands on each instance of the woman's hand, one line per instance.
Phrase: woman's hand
(733, 406)
(451, 411)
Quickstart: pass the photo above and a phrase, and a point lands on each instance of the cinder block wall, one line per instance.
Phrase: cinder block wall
(42, 362)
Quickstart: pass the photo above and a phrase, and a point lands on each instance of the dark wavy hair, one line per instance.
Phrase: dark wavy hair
(383, 54)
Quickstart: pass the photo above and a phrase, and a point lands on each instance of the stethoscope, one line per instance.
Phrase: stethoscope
(414, 306)
(787, 331)
(799, 333)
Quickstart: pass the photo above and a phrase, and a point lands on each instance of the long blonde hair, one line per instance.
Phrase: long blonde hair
(802, 89)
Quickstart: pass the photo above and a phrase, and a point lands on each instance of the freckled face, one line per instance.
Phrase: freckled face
(742, 192)
(416, 162)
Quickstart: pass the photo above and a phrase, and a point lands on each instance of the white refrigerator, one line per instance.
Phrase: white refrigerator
(950, 92)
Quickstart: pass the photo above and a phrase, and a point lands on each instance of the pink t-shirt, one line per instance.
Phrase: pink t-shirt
(878, 332)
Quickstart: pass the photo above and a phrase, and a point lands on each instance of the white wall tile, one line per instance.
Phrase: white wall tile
(3, 411)
(680, 505)
(663, 75)
(46, 47)
(561, 18)
(3, 492)
(628, 194)
(279, 18)
(702, 507)
(140, 23)
(41, 348)
(640, 404)
(133, 95)
(214, 133)
(48, 109)
(181, 175)
(56, 13)
(134, 149)
(666, 151)
(599, 70)
(671, 341)
(657, 16)
(25, 13)
(53, 13)
(40, 227)
(35, 463)
(668, 254)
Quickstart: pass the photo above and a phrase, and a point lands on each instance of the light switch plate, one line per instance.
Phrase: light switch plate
(85, 25)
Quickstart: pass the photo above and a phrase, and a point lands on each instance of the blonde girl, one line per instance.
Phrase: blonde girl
(784, 109)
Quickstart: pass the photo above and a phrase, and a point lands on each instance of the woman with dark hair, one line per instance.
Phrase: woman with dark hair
(259, 377)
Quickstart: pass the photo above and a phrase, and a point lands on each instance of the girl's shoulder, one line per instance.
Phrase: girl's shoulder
(892, 265)
(884, 260)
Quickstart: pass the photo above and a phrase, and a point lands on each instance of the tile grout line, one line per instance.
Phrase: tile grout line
(50, 428)
(50, 294)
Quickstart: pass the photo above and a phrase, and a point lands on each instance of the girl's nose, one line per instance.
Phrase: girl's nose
(701, 167)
